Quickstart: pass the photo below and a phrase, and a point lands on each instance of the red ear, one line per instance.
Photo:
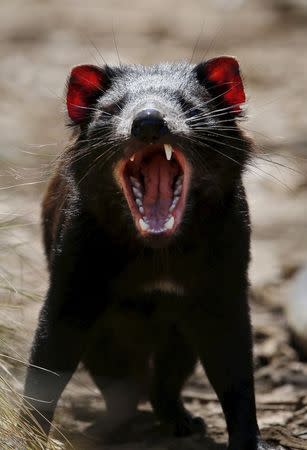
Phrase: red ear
(83, 88)
(222, 78)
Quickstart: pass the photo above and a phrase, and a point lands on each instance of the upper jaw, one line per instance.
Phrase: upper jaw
(155, 180)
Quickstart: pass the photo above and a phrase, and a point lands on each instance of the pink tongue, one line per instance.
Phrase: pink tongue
(158, 193)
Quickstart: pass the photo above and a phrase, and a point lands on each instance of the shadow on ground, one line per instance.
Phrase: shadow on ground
(139, 434)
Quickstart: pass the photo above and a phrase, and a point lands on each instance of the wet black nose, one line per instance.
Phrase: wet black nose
(149, 126)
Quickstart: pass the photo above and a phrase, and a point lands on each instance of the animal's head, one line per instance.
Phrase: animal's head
(161, 133)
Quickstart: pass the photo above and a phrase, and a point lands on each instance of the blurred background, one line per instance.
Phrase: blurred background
(39, 43)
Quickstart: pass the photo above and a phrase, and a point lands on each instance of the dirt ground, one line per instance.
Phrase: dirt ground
(39, 42)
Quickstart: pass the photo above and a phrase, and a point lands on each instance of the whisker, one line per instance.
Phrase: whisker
(237, 162)
(195, 48)
(204, 103)
(98, 51)
(92, 165)
(207, 113)
(257, 155)
(116, 46)
(212, 42)
(213, 115)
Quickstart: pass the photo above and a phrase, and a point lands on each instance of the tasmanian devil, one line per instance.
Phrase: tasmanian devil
(147, 235)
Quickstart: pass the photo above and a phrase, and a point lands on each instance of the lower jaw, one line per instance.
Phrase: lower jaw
(161, 228)
(156, 240)
(156, 235)
(155, 230)
(161, 231)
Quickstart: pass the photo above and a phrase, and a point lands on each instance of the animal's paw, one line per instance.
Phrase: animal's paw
(247, 445)
(187, 425)
(262, 445)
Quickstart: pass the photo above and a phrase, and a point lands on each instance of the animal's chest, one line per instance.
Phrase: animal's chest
(169, 274)
(137, 327)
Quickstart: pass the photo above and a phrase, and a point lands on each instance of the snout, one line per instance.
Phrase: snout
(149, 126)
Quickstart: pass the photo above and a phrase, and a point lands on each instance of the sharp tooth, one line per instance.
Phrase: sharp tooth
(178, 190)
(174, 203)
(179, 181)
(135, 182)
(168, 151)
(170, 223)
(141, 209)
(139, 202)
(132, 157)
(137, 192)
(144, 226)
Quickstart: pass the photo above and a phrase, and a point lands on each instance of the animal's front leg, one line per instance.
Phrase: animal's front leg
(56, 352)
(223, 338)
(73, 303)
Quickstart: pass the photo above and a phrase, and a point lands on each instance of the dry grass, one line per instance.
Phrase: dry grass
(15, 433)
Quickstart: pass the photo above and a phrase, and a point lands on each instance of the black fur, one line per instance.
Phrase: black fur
(100, 307)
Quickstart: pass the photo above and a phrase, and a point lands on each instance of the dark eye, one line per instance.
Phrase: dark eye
(112, 109)
(194, 112)
(189, 109)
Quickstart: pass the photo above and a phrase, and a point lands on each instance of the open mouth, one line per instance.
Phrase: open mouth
(155, 182)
